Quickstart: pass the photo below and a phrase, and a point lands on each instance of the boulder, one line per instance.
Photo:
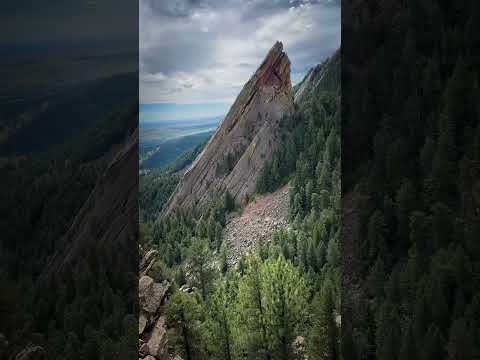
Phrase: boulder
(157, 343)
(151, 294)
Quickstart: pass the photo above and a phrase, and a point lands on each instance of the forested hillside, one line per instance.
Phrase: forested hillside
(411, 141)
(62, 292)
(156, 185)
(281, 301)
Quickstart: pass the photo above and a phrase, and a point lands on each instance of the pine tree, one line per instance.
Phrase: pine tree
(442, 227)
(200, 262)
(443, 167)
(439, 306)
(405, 204)
(251, 322)
(376, 233)
(323, 338)
(408, 350)
(377, 278)
(333, 252)
(72, 347)
(183, 317)
(460, 344)
(285, 295)
(426, 156)
(419, 234)
(387, 332)
(229, 201)
(433, 349)
(220, 322)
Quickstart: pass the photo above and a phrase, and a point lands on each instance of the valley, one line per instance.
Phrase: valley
(254, 213)
(163, 141)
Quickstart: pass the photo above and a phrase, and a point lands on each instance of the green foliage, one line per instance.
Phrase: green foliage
(184, 317)
(199, 264)
(156, 186)
(220, 320)
(415, 145)
(271, 308)
(313, 138)
(85, 303)
(229, 202)
(324, 340)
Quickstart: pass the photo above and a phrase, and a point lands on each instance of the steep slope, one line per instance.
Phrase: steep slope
(322, 77)
(245, 139)
(109, 215)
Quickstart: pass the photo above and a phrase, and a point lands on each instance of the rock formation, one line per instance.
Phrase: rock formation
(322, 77)
(153, 342)
(246, 138)
(110, 212)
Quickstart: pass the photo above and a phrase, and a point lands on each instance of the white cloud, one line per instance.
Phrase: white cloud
(206, 55)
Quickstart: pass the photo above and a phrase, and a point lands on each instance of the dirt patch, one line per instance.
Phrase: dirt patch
(256, 223)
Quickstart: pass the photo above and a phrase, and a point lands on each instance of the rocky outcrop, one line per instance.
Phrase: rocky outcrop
(156, 345)
(151, 295)
(246, 138)
(147, 260)
(153, 343)
(323, 77)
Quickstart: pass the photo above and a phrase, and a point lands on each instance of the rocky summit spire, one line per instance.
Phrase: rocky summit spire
(246, 138)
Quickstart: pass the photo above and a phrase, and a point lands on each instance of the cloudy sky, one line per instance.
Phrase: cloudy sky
(203, 51)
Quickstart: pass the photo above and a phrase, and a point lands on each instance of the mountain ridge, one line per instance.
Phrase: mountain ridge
(322, 77)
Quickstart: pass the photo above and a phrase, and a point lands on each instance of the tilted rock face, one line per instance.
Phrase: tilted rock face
(109, 214)
(246, 138)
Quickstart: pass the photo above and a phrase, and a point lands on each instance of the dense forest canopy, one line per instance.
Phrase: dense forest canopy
(411, 136)
(86, 310)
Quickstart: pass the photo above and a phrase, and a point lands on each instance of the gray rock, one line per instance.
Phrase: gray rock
(246, 138)
(142, 323)
(157, 343)
(151, 294)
